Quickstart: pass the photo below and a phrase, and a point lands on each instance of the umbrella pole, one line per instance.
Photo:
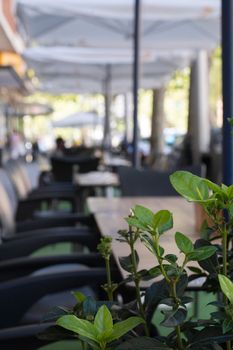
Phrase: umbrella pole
(126, 117)
(107, 98)
(136, 64)
(227, 76)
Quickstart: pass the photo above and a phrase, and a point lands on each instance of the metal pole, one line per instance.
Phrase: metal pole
(126, 116)
(107, 136)
(227, 83)
(136, 63)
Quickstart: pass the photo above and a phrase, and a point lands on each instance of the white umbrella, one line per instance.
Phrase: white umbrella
(169, 24)
(152, 9)
(78, 120)
(82, 70)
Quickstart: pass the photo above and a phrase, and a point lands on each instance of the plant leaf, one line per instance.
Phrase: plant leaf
(162, 221)
(226, 287)
(183, 243)
(144, 215)
(172, 258)
(190, 186)
(227, 326)
(80, 297)
(174, 318)
(76, 325)
(134, 222)
(103, 320)
(215, 188)
(202, 253)
(123, 327)
(126, 262)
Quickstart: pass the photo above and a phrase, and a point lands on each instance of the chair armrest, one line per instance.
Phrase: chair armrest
(22, 266)
(23, 337)
(18, 295)
(24, 244)
(28, 206)
(62, 219)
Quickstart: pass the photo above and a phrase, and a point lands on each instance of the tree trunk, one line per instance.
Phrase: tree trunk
(157, 126)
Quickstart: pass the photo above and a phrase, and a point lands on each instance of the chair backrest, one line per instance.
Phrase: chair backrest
(88, 164)
(63, 167)
(8, 185)
(7, 213)
(17, 175)
(136, 182)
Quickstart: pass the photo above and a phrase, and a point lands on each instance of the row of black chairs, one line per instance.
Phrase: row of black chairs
(30, 286)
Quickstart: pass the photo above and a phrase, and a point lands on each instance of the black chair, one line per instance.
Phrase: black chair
(134, 182)
(25, 181)
(18, 297)
(63, 167)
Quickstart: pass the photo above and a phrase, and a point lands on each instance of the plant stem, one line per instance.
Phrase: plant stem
(177, 328)
(160, 261)
(224, 253)
(137, 285)
(109, 280)
(84, 345)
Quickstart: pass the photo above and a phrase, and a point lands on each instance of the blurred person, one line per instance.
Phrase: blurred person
(60, 147)
(16, 144)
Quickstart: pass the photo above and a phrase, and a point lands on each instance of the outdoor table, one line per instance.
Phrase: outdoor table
(109, 214)
(97, 179)
(114, 162)
(99, 182)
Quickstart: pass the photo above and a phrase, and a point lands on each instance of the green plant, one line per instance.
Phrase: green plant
(104, 247)
(171, 275)
(101, 332)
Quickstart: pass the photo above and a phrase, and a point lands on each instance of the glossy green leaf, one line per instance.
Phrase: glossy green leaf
(79, 326)
(215, 188)
(144, 215)
(211, 264)
(172, 258)
(155, 271)
(183, 243)
(134, 222)
(162, 221)
(123, 327)
(230, 192)
(126, 262)
(230, 210)
(149, 243)
(80, 297)
(190, 186)
(226, 287)
(195, 270)
(227, 326)
(174, 318)
(201, 253)
(103, 320)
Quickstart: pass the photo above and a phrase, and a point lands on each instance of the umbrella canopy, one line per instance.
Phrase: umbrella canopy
(75, 74)
(169, 24)
(78, 119)
(152, 9)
